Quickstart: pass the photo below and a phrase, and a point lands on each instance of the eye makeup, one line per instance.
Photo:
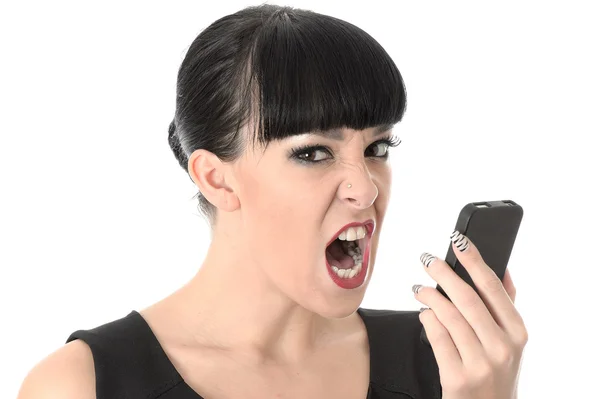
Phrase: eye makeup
(299, 153)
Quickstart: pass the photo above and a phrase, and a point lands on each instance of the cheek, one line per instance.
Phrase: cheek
(381, 205)
(281, 216)
(374, 246)
(384, 182)
(287, 194)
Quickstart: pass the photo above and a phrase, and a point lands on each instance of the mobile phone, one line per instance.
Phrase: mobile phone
(492, 226)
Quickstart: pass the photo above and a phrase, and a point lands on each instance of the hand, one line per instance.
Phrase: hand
(477, 341)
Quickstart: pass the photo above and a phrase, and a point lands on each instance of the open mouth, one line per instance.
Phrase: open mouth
(345, 253)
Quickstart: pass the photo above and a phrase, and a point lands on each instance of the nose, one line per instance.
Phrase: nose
(358, 189)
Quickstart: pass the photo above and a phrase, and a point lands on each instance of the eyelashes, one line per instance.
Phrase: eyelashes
(299, 153)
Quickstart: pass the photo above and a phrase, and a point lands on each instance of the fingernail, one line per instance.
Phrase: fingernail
(427, 258)
(461, 241)
(422, 309)
(416, 288)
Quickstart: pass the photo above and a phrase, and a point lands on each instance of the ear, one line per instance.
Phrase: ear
(210, 173)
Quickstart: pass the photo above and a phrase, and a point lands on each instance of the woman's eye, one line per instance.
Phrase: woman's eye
(380, 149)
(310, 155)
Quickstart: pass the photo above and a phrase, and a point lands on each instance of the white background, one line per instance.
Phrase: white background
(96, 216)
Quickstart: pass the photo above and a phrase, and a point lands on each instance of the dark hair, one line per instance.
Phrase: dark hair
(285, 70)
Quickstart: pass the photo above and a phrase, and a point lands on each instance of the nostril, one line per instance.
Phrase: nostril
(353, 201)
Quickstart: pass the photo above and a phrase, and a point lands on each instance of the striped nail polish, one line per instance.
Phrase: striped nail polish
(461, 242)
(427, 258)
(416, 288)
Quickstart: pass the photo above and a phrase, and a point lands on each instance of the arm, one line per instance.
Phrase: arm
(67, 373)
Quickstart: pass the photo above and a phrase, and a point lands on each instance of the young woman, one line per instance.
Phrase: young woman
(284, 122)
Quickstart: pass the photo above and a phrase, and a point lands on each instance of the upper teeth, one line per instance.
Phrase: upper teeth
(353, 233)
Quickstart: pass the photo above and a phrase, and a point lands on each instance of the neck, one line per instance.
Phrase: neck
(232, 305)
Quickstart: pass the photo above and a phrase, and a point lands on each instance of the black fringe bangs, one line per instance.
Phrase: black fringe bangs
(320, 73)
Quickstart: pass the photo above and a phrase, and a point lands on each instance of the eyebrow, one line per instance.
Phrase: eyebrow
(336, 134)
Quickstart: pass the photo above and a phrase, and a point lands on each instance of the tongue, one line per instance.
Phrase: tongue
(337, 257)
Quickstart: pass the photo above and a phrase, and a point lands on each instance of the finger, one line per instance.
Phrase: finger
(468, 345)
(444, 350)
(509, 286)
(489, 286)
(466, 300)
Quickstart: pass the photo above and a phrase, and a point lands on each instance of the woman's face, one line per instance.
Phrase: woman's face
(294, 202)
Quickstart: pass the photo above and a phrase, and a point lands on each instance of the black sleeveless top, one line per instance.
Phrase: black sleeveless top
(130, 363)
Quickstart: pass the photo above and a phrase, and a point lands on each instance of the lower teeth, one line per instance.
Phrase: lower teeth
(347, 273)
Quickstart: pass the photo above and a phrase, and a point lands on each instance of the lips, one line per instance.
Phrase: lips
(365, 246)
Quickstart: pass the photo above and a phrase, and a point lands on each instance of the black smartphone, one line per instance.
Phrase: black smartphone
(492, 226)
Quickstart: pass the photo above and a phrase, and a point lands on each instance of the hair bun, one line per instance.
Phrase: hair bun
(175, 145)
(172, 128)
(173, 139)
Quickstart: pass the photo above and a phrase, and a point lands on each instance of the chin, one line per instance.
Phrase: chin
(340, 307)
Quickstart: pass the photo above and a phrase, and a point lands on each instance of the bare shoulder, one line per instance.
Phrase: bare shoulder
(66, 373)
